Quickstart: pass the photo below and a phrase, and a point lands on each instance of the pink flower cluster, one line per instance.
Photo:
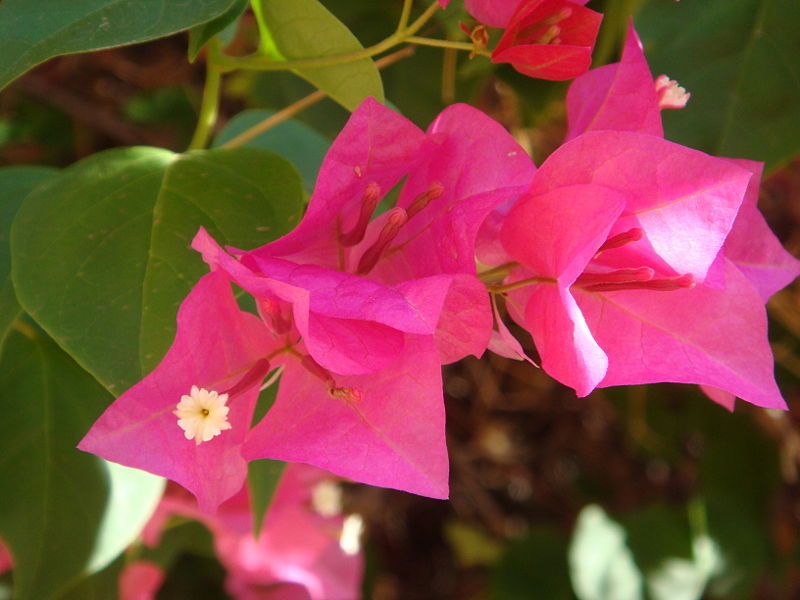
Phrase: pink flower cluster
(303, 552)
(628, 258)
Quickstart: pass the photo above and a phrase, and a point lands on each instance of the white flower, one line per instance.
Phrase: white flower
(202, 414)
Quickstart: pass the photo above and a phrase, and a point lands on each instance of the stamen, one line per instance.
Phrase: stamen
(549, 35)
(317, 370)
(544, 31)
(435, 191)
(369, 202)
(621, 239)
(397, 218)
(353, 395)
(615, 277)
(270, 310)
(659, 285)
(254, 375)
(670, 94)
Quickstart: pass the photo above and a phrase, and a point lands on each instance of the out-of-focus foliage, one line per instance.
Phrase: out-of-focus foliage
(739, 61)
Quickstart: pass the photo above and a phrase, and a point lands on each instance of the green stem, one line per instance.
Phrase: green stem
(499, 271)
(209, 105)
(291, 110)
(422, 19)
(260, 63)
(404, 16)
(445, 44)
(502, 289)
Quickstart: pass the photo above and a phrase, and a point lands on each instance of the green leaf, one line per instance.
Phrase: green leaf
(600, 563)
(297, 29)
(15, 184)
(263, 477)
(471, 545)
(103, 585)
(676, 567)
(534, 566)
(31, 31)
(199, 35)
(301, 145)
(179, 538)
(656, 533)
(80, 248)
(101, 255)
(739, 61)
(244, 197)
(63, 514)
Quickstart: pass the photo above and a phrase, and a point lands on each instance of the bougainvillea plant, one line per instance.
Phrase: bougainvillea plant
(221, 341)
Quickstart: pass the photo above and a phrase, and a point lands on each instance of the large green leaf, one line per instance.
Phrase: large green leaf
(64, 513)
(740, 62)
(31, 31)
(297, 29)
(199, 35)
(303, 146)
(103, 585)
(263, 477)
(15, 184)
(101, 254)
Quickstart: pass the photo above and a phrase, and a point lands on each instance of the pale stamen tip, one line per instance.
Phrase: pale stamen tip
(202, 414)
(670, 94)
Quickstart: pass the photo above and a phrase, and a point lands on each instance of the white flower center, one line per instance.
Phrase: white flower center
(202, 414)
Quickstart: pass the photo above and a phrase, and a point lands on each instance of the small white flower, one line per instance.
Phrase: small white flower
(202, 414)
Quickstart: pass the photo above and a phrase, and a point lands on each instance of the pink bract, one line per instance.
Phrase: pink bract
(619, 96)
(215, 347)
(549, 39)
(622, 97)
(379, 303)
(297, 554)
(616, 236)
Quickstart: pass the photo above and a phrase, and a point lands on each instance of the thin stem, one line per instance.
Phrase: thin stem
(422, 41)
(209, 105)
(503, 269)
(273, 120)
(502, 289)
(404, 15)
(260, 63)
(422, 19)
(291, 110)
